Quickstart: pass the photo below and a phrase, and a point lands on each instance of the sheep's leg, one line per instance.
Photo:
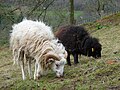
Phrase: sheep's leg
(22, 68)
(75, 55)
(35, 72)
(38, 71)
(15, 55)
(68, 59)
(29, 68)
(21, 59)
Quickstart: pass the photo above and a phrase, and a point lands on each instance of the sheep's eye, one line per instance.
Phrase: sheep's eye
(57, 65)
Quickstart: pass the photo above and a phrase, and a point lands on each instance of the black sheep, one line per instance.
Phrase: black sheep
(78, 41)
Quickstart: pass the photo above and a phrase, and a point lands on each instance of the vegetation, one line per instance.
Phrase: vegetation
(89, 74)
(54, 12)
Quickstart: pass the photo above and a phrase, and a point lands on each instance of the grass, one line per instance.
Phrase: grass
(89, 74)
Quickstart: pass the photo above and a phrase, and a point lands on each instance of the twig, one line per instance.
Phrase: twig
(44, 10)
(36, 6)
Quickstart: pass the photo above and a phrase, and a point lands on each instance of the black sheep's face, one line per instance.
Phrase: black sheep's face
(96, 52)
(94, 49)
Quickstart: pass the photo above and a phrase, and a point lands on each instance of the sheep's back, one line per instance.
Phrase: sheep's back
(71, 36)
(28, 30)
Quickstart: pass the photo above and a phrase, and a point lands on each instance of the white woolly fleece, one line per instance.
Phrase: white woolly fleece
(35, 39)
(32, 27)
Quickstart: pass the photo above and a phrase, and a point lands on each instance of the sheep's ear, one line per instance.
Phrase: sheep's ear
(50, 61)
(92, 49)
(66, 54)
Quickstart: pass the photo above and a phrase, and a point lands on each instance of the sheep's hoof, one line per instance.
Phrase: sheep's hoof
(30, 78)
(69, 64)
(37, 78)
(76, 62)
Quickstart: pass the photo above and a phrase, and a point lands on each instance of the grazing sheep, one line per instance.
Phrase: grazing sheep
(78, 41)
(33, 40)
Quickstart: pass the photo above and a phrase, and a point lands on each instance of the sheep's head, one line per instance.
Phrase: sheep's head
(56, 64)
(94, 48)
(58, 67)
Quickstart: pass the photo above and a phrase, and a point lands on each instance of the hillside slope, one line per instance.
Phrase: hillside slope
(109, 35)
(89, 74)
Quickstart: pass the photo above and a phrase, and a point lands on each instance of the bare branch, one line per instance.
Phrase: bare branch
(36, 6)
(18, 8)
(44, 10)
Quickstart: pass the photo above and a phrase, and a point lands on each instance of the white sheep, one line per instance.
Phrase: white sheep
(33, 40)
